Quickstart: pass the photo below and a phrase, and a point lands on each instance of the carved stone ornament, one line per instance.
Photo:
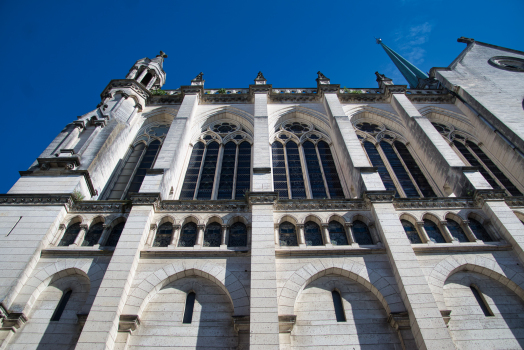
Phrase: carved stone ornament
(482, 196)
(125, 83)
(145, 198)
(70, 166)
(195, 205)
(399, 320)
(128, 323)
(36, 199)
(262, 197)
(515, 201)
(428, 203)
(101, 206)
(379, 196)
(321, 204)
(13, 321)
(226, 98)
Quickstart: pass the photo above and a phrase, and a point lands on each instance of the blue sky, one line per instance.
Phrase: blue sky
(57, 56)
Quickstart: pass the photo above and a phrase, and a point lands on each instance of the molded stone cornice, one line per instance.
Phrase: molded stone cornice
(102, 206)
(379, 196)
(430, 97)
(37, 199)
(287, 97)
(432, 203)
(321, 204)
(166, 99)
(132, 84)
(358, 98)
(328, 88)
(515, 201)
(128, 323)
(197, 205)
(482, 196)
(261, 197)
(395, 89)
(192, 89)
(262, 88)
(145, 199)
(62, 172)
(226, 98)
(286, 323)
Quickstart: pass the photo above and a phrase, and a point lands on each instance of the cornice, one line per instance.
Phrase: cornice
(432, 203)
(198, 205)
(192, 89)
(102, 206)
(62, 172)
(44, 199)
(290, 97)
(359, 98)
(261, 88)
(321, 204)
(165, 99)
(379, 196)
(483, 196)
(226, 98)
(515, 201)
(431, 98)
(145, 199)
(261, 197)
(132, 84)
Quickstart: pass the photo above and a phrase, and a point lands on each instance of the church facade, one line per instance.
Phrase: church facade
(277, 218)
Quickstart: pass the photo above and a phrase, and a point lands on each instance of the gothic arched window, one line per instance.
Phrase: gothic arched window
(93, 235)
(114, 236)
(479, 231)
(456, 231)
(396, 166)
(212, 235)
(337, 233)
(312, 234)
(188, 235)
(361, 233)
(411, 232)
(279, 170)
(164, 235)
(188, 310)
(237, 235)
(287, 235)
(339, 307)
(70, 235)
(433, 232)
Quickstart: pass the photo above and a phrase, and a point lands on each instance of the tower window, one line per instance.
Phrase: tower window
(61, 306)
(411, 232)
(212, 235)
(456, 231)
(93, 235)
(164, 235)
(147, 78)
(288, 235)
(190, 304)
(481, 301)
(312, 234)
(237, 235)
(337, 233)
(479, 231)
(188, 235)
(339, 307)
(70, 235)
(433, 232)
(361, 233)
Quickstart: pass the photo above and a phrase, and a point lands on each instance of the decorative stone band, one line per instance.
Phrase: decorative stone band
(395, 89)
(329, 88)
(286, 323)
(166, 99)
(262, 197)
(423, 203)
(226, 98)
(192, 206)
(356, 97)
(102, 206)
(145, 199)
(321, 204)
(126, 83)
(311, 97)
(260, 88)
(37, 199)
(481, 196)
(379, 196)
(515, 201)
(192, 90)
(128, 323)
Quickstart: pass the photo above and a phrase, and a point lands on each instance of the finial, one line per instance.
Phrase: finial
(199, 79)
(378, 40)
(162, 54)
(260, 80)
(383, 80)
(321, 76)
(322, 79)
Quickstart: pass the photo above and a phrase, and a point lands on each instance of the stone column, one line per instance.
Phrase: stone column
(58, 235)
(80, 237)
(262, 180)
(70, 139)
(468, 232)
(349, 233)
(132, 73)
(277, 235)
(447, 234)
(224, 237)
(142, 75)
(426, 321)
(325, 235)
(101, 328)
(152, 234)
(300, 236)
(176, 234)
(104, 235)
(98, 126)
(423, 234)
(200, 236)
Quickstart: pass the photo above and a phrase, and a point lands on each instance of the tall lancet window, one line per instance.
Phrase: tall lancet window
(473, 155)
(303, 164)
(395, 164)
(220, 164)
(131, 170)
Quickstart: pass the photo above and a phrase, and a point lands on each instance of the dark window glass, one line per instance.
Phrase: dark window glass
(337, 233)
(479, 231)
(115, 235)
(457, 231)
(243, 170)
(193, 169)
(188, 311)
(279, 170)
(415, 171)
(376, 160)
(361, 233)
(494, 169)
(368, 127)
(227, 173)
(93, 235)
(400, 171)
(312, 234)
(411, 232)
(318, 190)
(146, 79)
(212, 235)
(339, 307)
(288, 235)
(330, 170)
(480, 300)
(164, 235)
(237, 235)
(474, 162)
(296, 176)
(433, 232)
(207, 179)
(126, 173)
(70, 235)
(61, 306)
(146, 163)
(188, 235)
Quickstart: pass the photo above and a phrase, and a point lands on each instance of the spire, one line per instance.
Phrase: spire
(411, 73)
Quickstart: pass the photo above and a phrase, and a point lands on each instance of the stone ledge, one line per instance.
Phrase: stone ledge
(190, 252)
(425, 248)
(80, 251)
(320, 250)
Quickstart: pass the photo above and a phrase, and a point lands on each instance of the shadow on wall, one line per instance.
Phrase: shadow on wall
(469, 324)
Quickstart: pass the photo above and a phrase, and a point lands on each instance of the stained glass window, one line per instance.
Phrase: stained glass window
(433, 232)
(237, 235)
(227, 173)
(193, 171)
(125, 175)
(147, 162)
(296, 177)
(456, 231)
(207, 178)
(243, 183)
(188, 235)
(312, 234)
(114, 236)
(361, 233)
(288, 235)
(330, 170)
(376, 160)
(399, 170)
(279, 170)
(415, 170)
(70, 235)
(212, 235)
(337, 233)
(411, 232)
(164, 235)
(479, 231)
(93, 235)
(316, 180)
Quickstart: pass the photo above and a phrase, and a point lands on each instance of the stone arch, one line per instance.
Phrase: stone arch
(299, 112)
(438, 114)
(362, 218)
(246, 119)
(117, 220)
(287, 217)
(432, 217)
(213, 218)
(77, 219)
(338, 218)
(166, 218)
(149, 287)
(192, 218)
(455, 217)
(480, 264)
(161, 114)
(312, 217)
(408, 217)
(237, 218)
(367, 113)
(355, 271)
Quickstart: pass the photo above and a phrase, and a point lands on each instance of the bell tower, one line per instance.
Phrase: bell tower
(149, 72)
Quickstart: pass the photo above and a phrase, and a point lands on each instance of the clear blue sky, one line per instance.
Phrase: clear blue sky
(57, 56)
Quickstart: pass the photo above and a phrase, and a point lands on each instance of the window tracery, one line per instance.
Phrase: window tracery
(479, 231)
(456, 231)
(361, 233)
(70, 235)
(212, 235)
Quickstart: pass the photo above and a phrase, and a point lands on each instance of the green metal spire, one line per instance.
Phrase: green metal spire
(411, 73)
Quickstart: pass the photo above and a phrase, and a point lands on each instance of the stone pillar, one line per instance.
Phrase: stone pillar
(200, 236)
(80, 237)
(325, 235)
(264, 328)
(101, 328)
(72, 137)
(132, 73)
(58, 235)
(104, 235)
(300, 236)
(152, 234)
(224, 237)
(277, 235)
(142, 75)
(425, 319)
(349, 233)
(468, 232)
(423, 234)
(176, 234)
(445, 231)
(98, 126)
(262, 180)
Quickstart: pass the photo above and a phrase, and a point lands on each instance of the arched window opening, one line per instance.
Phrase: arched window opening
(337, 233)
(164, 235)
(361, 233)
(339, 307)
(481, 301)
(316, 178)
(411, 232)
(207, 177)
(93, 235)
(296, 174)
(212, 235)
(70, 235)
(237, 235)
(61, 306)
(456, 231)
(147, 78)
(330, 170)
(279, 170)
(243, 183)
(376, 161)
(193, 171)
(479, 231)
(123, 179)
(115, 235)
(188, 235)
(433, 232)
(288, 235)
(188, 310)
(400, 170)
(415, 170)
(227, 173)
(148, 159)
(312, 234)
